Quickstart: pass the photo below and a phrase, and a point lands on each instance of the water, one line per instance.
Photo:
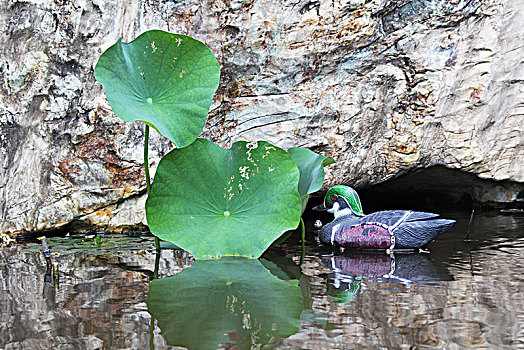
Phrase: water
(460, 295)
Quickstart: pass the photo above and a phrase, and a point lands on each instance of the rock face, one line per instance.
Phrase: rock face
(385, 87)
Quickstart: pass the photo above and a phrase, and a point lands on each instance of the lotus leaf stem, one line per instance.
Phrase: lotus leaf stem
(469, 224)
(303, 228)
(148, 177)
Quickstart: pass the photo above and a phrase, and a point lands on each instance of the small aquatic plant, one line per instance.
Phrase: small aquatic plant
(208, 200)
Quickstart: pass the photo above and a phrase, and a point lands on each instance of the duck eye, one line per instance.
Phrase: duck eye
(334, 197)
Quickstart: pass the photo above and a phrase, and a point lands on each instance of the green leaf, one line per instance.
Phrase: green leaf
(284, 236)
(311, 166)
(168, 245)
(216, 202)
(328, 161)
(165, 80)
(231, 300)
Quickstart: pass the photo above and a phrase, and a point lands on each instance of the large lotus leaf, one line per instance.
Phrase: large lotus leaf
(311, 166)
(165, 80)
(217, 202)
(233, 301)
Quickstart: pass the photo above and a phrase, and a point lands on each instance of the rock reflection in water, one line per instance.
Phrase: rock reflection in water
(99, 297)
(81, 309)
(89, 301)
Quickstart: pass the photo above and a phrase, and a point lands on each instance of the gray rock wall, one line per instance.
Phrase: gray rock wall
(385, 87)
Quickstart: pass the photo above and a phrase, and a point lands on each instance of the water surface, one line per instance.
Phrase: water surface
(459, 295)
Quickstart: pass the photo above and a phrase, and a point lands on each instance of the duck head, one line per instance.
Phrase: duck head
(342, 200)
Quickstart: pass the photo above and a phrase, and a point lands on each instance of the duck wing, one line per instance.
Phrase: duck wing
(393, 218)
(418, 233)
(412, 229)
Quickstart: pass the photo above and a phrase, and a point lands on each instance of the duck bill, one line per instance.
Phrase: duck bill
(320, 207)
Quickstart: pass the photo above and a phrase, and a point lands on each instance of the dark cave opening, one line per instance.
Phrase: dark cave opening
(439, 189)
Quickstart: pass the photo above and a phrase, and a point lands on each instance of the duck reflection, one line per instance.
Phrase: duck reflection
(351, 268)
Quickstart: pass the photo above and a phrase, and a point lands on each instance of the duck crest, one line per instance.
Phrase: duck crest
(348, 195)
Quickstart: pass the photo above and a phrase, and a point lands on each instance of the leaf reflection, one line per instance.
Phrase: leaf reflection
(227, 302)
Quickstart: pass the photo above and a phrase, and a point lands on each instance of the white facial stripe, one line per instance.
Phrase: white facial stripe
(333, 231)
(343, 212)
(334, 209)
(339, 212)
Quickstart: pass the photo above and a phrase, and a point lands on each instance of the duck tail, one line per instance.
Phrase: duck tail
(416, 234)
